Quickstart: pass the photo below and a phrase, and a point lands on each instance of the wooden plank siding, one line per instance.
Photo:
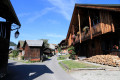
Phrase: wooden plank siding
(103, 31)
(32, 52)
(106, 22)
(5, 28)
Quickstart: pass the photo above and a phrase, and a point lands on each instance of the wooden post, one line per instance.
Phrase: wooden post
(101, 24)
(79, 26)
(73, 33)
(113, 28)
(90, 27)
(73, 29)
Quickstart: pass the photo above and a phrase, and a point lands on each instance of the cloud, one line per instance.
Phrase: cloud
(23, 14)
(64, 7)
(37, 15)
(55, 36)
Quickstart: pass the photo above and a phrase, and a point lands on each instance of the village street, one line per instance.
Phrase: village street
(48, 70)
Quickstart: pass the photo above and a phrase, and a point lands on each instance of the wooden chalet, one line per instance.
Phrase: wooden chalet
(94, 29)
(49, 51)
(20, 47)
(63, 45)
(6, 12)
(33, 49)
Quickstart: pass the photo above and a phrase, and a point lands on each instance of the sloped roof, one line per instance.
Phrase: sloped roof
(21, 43)
(51, 46)
(63, 41)
(37, 43)
(13, 47)
(7, 12)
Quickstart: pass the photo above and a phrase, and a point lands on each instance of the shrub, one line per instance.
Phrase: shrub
(22, 57)
(72, 52)
(15, 53)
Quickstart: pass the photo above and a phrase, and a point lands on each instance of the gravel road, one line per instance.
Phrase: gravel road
(48, 70)
(96, 75)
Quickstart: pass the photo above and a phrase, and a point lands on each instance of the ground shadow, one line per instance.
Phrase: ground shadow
(26, 72)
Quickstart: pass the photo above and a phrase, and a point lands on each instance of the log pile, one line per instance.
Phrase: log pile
(110, 60)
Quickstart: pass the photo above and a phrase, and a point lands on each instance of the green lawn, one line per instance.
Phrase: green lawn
(63, 57)
(73, 64)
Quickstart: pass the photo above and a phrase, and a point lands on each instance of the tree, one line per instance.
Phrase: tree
(12, 43)
(46, 44)
(59, 49)
(15, 53)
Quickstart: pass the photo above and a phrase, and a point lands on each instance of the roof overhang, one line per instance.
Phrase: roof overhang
(7, 12)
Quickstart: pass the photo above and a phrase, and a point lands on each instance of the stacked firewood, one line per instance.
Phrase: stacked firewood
(110, 60)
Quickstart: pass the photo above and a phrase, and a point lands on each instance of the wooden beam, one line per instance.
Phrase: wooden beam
(90, 27)
(79, 26)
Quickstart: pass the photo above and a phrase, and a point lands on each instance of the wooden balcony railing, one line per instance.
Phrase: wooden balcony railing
(96, 31)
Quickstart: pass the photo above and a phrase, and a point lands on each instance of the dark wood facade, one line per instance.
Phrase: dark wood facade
(4, 45)
(63, 45)
(7, 12)
(102, 33)
(33, 52)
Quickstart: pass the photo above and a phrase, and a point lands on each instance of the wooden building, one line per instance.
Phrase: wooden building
(63, 45)
(50, 51)
(33, 49)
(94, 29)
(20, 47)
(6, 12)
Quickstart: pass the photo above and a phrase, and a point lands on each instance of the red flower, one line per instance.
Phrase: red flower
(34, 59)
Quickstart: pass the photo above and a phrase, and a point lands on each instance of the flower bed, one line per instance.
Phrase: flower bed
(36, 60)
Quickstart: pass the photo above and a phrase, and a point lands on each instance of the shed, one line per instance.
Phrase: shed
(33, 49)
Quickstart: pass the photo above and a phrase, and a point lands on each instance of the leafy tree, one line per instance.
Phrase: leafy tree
(12, 43)
(15, 53)
(46, 44)
(59, 49)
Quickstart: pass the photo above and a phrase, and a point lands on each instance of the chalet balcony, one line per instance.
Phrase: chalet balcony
(96, 30)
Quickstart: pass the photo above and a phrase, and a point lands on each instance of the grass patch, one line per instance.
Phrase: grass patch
(48, 57)
(63, 57)
(73, 64)
(62, 66)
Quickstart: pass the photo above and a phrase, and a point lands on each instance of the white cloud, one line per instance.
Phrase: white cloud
(65, 7)
(55, 36)
(23, 14)
(37, 15)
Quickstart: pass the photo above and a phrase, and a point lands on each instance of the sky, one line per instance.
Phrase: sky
(47, 19)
